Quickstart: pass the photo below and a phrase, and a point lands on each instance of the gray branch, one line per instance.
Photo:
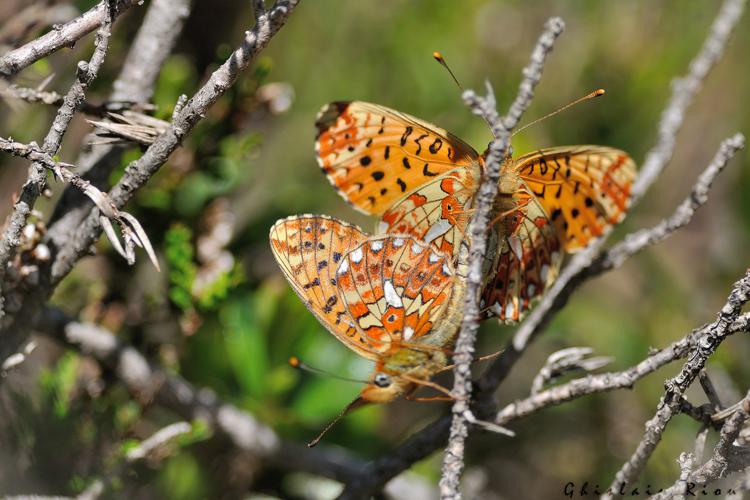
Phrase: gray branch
(604, 382)
(64, 36)
(726, 458)
(149, 383)
(669, 406)
(453, 461)
(34, 185)
(153, 43)
(12, 91)
(79, 239)
(135, 83)
(141, 170)
(637, 241)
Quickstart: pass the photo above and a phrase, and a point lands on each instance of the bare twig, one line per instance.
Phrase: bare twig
(76, 243)
(141, 170)
(34, 185)
(150, 383)
(32, 18)
(12, 91)
(453, 461)
(639, 240)
(63, 36)
(604, 382)
(725, 459)
(669, 406)
(565, 361)
(161, 26)
(158, 439)
(135, 83)
(132, 231)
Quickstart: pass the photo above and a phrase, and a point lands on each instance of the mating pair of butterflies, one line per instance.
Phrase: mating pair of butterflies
(396, 297)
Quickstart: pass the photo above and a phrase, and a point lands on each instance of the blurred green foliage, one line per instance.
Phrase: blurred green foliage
(236, 332)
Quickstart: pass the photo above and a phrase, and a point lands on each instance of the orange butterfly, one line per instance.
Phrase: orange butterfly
(392, 299)
(421, 180)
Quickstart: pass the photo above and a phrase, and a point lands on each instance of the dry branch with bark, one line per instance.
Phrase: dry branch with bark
(88, 208)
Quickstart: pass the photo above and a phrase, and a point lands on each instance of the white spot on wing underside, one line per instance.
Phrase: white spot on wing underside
(356, 255)
(376, 245)
(416, 248)
(392, 298)
(344, 266)
(515, 246)
(436, 230)
(408, 333)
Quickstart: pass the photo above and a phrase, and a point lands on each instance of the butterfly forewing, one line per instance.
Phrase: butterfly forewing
(436, 213)
(527, 261)
(583, 189)
(374, 155)
(308, 250)
(395, 288)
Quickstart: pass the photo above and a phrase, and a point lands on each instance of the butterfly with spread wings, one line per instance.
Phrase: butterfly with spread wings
(392, 299)
(421, 180)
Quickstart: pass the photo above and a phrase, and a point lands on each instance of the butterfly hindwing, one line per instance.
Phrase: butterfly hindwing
(395, 288)
(309, 249)
(583, 189)
(374, 155)
(527, 261)
(436, 213)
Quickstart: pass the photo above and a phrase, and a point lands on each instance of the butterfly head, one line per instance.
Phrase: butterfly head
(384, 387)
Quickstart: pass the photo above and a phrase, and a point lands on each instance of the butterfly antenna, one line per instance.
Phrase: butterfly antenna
(439, 58)
(294, 362)
(354, 404)
(593, 94)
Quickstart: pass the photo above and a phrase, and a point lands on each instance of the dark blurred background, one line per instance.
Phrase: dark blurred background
(221, 314)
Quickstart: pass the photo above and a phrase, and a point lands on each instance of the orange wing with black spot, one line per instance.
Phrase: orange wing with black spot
(583, 189)
(374, 155)
(436, 213)
(395, 288)
(308, 249)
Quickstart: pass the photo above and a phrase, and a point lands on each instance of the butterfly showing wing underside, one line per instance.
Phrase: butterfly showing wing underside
(551, 201)
(379, 295)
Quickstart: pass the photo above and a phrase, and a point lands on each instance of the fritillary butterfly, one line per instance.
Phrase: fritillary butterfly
(421, 180)
(392, 299)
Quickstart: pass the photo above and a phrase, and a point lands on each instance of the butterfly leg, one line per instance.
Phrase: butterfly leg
(519, 203)
(431, 399)
(478, 360)
(430, 384)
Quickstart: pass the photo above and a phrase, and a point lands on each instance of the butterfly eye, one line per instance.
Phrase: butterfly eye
(382, 380)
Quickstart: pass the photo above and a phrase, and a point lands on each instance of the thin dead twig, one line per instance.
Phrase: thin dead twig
(705, 345)
(453, 461)
(76, 242)
(12, 91)
(32, 188)
(132, 232)
(63, 36)
(152, 45)
(605, 382)
(151, 383)
(726, 457)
